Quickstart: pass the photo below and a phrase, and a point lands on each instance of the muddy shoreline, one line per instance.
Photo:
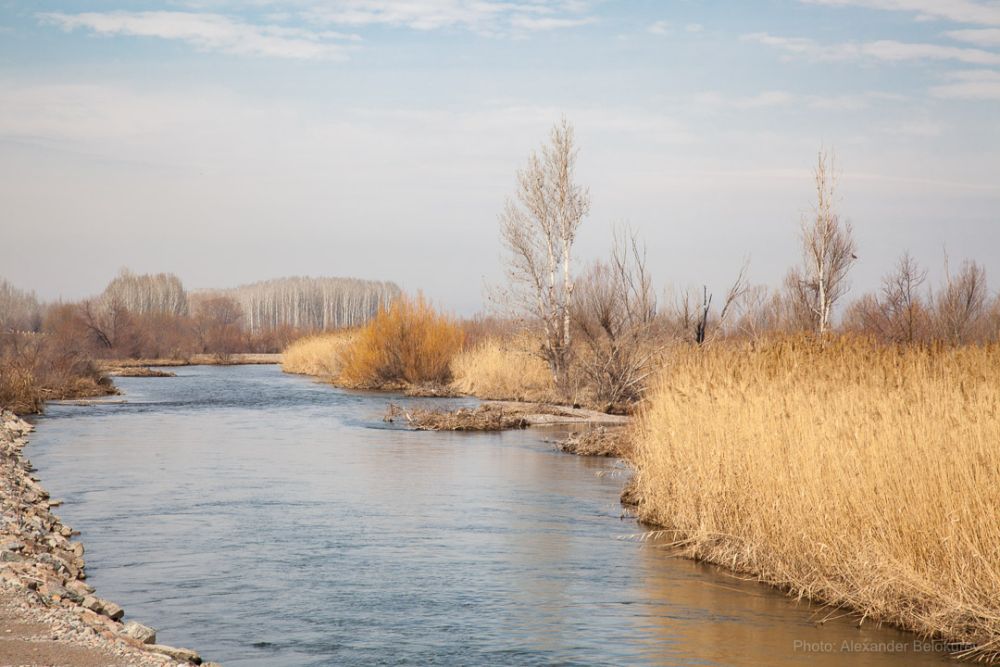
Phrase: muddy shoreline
(48, 613)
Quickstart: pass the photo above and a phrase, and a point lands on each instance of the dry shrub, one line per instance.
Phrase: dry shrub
(410, 343)
(35, 368)
(858, 475)
(504, 370)
(318, 355)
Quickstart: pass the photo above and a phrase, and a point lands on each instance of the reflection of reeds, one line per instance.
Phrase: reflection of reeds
(849, 473)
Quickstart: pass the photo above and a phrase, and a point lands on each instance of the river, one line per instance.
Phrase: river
(267, 519)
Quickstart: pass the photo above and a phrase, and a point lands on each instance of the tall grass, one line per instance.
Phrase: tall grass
(848, 473)
(318, 355)
(503, 369)
(408, 343)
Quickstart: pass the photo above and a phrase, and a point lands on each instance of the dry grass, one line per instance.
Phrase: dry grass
(861, 476)
(506, 370)
(318, 355)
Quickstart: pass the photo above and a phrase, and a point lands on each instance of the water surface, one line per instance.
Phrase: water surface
(265, 519)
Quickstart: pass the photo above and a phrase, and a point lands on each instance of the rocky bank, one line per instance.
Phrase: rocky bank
(49, 615)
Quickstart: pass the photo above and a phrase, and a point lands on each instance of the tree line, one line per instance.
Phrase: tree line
(154, 316)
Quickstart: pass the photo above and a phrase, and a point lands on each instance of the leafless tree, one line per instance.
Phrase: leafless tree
(693, 315)
(19, 310)
(307, 303)
(961, 307)
(828, 252)
(143, 294)
(538, 226)
(217, 325)
(111, 326)
(615, 312)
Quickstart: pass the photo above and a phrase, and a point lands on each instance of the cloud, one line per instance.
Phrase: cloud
(490, 17)
(959, 11)
(549, 23)
(988, 37)
(659, 28)
(884, 50)
(769, 99)
(210, 32)
(694, 27)
(970, 85)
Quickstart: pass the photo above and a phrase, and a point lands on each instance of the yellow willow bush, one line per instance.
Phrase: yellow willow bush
(411, 342)
(503, 369)
(853, 474)
(318, 355)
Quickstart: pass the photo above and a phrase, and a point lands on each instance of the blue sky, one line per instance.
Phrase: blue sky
(234, 141)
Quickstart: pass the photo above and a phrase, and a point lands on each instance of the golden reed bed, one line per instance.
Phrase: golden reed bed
(848, 473)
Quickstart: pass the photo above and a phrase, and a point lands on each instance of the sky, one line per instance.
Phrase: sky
(231, 141)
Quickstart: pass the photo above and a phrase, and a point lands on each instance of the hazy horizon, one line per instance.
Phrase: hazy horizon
(231, 142)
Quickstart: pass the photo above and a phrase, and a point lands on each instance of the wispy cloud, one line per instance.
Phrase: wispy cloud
(481, 16)
(768, 99)
(884, 50)
(210, 32)
(986, 37)
(659, 28)
(959, 11)
(970, 85)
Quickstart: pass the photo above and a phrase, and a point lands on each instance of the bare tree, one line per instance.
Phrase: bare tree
(307, 303)
(692, 313)
(19, 310)
(538, 227)
(142, 294)
(828, 252)
(217, 325)
(615, 312)
(961, 307)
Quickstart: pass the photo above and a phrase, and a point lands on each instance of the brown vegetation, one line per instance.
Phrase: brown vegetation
(852, 473)
(410, 343)
(35, 368)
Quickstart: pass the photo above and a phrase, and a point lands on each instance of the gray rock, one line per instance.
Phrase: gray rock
(91, 603)
(13, 546)
(183, 654)
(143, 633)
(111, 610)
(79, 588)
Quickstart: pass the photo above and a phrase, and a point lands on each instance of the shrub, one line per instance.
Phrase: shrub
(35, 368)
(410, 343)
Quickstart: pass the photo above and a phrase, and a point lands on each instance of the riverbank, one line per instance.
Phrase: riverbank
(48, 613)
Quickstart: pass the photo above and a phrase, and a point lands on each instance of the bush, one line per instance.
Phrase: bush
(35, 368)
(410, 343)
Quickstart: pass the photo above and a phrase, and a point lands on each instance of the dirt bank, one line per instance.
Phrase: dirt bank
(49, 615)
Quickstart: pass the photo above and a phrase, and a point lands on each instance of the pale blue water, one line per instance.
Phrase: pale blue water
(265, 519)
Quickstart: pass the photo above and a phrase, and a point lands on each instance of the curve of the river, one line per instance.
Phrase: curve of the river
(266, 519)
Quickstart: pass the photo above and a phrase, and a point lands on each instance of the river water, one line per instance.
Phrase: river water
(266, 519)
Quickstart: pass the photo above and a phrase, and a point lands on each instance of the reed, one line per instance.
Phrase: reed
(503, 369)
(848, 473)
(319, 354)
